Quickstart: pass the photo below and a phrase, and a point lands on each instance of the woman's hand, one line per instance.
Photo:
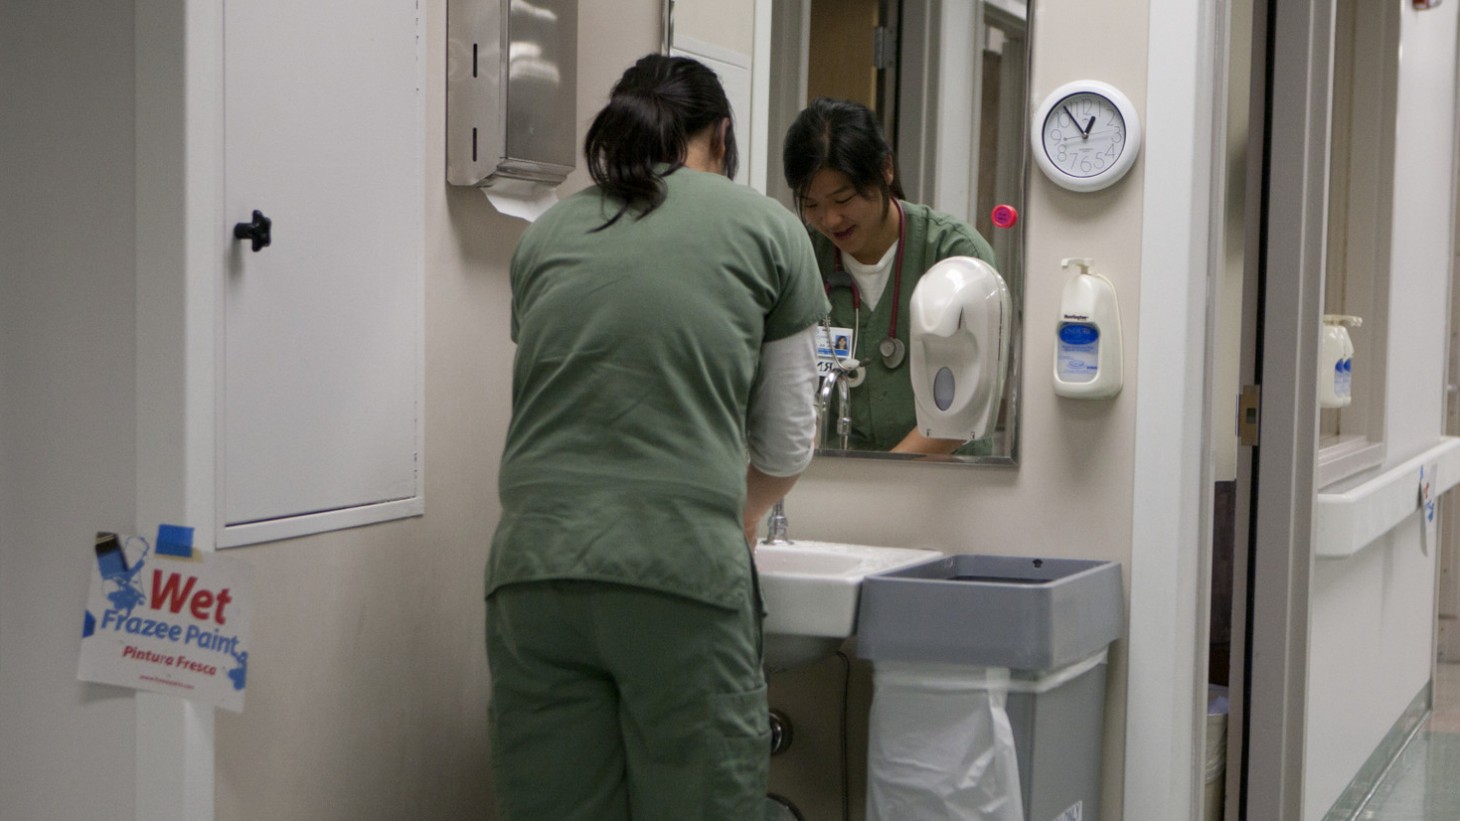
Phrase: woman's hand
(915, 442)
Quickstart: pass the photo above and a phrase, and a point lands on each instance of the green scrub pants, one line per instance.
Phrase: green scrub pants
(614, 702)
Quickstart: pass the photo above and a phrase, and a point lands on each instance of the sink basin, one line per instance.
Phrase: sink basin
(811, 591)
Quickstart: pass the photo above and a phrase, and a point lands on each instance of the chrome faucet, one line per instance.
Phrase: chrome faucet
(834, 380)
(775, 531)
(829, 381)
(844, 410)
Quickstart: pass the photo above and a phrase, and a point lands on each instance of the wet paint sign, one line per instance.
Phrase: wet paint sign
(166, 618)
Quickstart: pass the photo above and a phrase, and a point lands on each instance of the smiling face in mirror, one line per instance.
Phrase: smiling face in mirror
(861, 224)
(951, 153)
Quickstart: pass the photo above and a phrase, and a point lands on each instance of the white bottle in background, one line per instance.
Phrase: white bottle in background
(1348, 359)
(1330, 365)
(1336, 361)
(1087, 354)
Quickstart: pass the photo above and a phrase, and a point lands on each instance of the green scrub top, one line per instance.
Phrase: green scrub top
(637, 346)
(883, 409)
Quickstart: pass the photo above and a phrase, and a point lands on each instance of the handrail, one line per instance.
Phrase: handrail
(1344, 523)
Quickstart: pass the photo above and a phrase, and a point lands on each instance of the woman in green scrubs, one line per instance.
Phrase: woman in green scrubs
(871, 248)
(665, 325)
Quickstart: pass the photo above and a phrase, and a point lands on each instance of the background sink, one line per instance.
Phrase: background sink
(811, 591)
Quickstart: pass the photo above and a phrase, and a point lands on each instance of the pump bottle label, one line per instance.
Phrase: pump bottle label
(1079, 353)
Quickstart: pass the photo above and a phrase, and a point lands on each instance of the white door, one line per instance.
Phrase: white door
(321, 383)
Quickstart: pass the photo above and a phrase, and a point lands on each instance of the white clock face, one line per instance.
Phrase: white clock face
(1084, 135)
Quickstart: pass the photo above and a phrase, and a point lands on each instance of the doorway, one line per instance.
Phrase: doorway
(851, 53)
(1300, 647)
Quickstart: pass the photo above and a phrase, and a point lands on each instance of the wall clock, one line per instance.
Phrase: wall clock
(1086, 135)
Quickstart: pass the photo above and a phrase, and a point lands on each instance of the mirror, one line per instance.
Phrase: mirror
(956, 117)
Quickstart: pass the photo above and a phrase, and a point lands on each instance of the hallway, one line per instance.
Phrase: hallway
(1424, 782)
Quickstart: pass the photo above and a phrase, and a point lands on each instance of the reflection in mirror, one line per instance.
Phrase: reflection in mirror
(719, 33)
(959, 141)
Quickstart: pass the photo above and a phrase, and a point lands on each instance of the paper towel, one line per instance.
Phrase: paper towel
(523, 200)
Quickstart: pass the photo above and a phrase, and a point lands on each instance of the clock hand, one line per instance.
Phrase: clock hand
(1083, 132)
(1089, 126)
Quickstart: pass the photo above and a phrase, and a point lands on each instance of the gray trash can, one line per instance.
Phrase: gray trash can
(1031, 633)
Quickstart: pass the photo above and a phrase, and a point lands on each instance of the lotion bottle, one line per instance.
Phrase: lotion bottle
(1087, 353)
(1336, 361)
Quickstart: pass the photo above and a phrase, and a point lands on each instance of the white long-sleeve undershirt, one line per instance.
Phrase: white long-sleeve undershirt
(780, 423)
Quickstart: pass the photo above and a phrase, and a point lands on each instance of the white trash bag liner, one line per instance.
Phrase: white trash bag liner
(939, 746)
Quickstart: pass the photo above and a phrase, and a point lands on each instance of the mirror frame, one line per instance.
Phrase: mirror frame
(916, 151)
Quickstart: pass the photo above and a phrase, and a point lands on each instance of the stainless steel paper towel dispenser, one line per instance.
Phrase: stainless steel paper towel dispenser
(511, 92)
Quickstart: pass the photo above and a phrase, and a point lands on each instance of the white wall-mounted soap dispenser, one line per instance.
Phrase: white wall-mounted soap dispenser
(1087, 353)
(962, 320)
(1336, 361)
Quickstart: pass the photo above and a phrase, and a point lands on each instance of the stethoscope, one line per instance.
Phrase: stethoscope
(892, 349)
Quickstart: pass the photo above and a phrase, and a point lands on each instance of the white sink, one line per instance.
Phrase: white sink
(811, 591)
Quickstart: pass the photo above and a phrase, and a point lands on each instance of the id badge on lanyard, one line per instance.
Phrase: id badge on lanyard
(832, 345)
(834, 348)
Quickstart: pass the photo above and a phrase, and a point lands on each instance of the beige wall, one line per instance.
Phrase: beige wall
(68, 444)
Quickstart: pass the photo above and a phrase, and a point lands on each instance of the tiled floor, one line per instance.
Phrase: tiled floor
(1424, 783)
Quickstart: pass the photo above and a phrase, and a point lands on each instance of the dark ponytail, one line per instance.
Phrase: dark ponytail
(654, 109)
(840, 135)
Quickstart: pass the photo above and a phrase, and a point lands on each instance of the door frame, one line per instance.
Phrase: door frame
(1287, 214)
(1171, 515)
(180, 226)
